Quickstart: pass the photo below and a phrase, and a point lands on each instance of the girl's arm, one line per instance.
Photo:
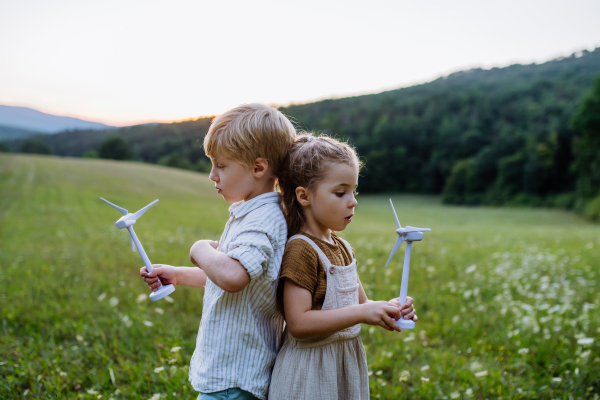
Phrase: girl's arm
(304, 323)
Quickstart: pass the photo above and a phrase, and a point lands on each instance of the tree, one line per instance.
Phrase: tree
(115, 148)
(586, 143)
(175, 160)
(35, 146)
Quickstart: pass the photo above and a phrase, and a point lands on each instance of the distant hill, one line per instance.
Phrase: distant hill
(495, 136)
(9, 132)
(32, 120)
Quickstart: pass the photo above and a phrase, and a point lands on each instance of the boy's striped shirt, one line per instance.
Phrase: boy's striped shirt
(240, 333)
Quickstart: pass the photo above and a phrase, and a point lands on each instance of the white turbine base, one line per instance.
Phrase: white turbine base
(162, 291)
(405, 323)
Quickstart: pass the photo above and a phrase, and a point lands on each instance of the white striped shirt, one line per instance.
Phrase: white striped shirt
(240, 333)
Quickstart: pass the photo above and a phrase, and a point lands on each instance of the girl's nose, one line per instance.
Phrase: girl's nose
(352, 203)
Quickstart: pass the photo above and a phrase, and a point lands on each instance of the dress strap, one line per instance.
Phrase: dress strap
(322, 255)
(348, 247)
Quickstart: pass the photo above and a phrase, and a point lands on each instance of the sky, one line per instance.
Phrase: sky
(125, 62)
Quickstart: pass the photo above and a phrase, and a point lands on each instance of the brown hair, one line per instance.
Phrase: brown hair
(248, 132)
(306, 164)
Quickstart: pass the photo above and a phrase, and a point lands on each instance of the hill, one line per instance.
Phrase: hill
(9, 132)
(33, 120)
(493, 136)
(507, 308)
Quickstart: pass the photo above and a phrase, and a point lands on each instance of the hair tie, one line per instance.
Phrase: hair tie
(308, 139)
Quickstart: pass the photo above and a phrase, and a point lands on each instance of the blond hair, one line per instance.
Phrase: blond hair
(308, 162)
(248, 132)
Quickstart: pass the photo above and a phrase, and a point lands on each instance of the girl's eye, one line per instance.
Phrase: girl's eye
(340, 194)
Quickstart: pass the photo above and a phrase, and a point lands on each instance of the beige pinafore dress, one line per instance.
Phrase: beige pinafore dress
(330, 368)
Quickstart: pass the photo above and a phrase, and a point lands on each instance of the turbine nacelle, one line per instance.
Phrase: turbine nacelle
(409, 236)
(125, 221)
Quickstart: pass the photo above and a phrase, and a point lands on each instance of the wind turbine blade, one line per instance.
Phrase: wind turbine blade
(398, 226)
(132, 244)
(413, 229)
(139, 213)
(396, 246)
(121, 209)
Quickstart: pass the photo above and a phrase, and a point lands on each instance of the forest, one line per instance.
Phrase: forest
(519, 135)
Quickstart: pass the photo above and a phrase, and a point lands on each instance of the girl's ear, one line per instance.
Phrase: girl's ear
(302, 196)
(260, 168)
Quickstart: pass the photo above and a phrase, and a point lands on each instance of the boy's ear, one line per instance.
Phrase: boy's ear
(302, 196)
(260, 168)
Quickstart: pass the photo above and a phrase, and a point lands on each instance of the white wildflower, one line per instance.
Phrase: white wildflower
(404, 375)
(454, 395)
(469, 392)
(158, 369)
(424, 379)
(92, 391)
(475, 366)
(523, 351)
(113, 301)
(481, 374)
(159, 310)
(126, 320)
(141, 297)
(409, 338)
(63, 373)
(379, 372)
(424, 367)
(175, 349)
(155, 396)
(471, 269)
(585, 354)
(585, 341)
(148, 323)
(169, 299)
(556, 379)
(101, 297)
(79, 338)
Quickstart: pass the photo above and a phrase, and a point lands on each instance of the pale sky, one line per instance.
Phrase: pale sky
(122, 62)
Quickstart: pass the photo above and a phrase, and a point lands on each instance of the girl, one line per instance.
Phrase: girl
(322, 299)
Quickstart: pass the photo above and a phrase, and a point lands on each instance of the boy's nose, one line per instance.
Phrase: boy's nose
(213, 177)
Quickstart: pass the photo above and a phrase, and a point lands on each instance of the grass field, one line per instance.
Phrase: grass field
(507, 298)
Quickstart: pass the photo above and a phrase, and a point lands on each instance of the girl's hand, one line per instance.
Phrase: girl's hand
(381, 313)
(408, 311)
(165, 272)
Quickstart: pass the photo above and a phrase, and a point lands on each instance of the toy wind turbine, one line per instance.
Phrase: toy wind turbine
(409, 234)
(127, 221)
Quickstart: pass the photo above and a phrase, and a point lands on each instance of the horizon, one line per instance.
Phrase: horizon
(129, 65)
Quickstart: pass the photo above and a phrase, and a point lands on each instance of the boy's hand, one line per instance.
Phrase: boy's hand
(408, 311)
(165, 272)
(199, 247)
(381, 313)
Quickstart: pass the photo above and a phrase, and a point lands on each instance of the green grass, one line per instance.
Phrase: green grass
(487, 283)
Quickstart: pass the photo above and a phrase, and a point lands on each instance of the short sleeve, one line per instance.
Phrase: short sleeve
(252, 249)
(300, 264)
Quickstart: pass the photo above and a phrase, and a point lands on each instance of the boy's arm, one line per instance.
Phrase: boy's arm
(182, 276)
(226, 272)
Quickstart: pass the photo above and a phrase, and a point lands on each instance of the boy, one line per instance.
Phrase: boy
(240, 330)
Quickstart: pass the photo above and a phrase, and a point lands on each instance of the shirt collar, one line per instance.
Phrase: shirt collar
(241, 208)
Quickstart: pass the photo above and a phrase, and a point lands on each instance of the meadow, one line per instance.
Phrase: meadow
(506, 297)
